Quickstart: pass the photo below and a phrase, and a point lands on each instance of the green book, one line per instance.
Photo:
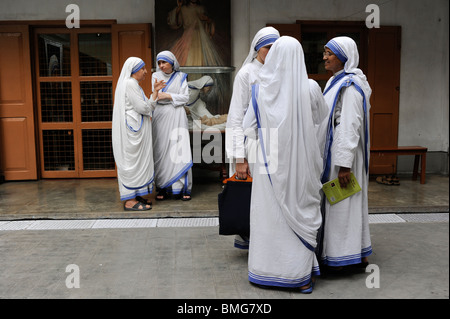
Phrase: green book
(335, 193)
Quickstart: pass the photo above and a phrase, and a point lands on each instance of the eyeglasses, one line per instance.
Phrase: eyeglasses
(327, 54)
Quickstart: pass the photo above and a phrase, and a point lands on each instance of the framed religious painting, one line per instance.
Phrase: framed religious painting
(197, 32)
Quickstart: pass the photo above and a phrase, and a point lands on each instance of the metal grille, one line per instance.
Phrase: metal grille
(96, 101)
(56, 102)
(54, 54)
(97, 150)
(58, 150)
(95, 54)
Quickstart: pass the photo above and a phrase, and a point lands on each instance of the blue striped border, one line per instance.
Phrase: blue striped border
(347, 260)
(283, 282)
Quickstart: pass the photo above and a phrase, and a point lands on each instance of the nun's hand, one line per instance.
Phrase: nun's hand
(159, 85)
(344, 176)
(164, 96)
(242, 169)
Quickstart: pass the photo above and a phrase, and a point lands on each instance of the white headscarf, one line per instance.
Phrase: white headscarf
(131, 151)
(168, 57)
(284, 104)
(263, 37)
(346, 50)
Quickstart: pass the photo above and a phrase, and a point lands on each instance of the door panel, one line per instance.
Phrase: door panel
(132, 40)
(14, 130)
(292, 29)
(382, 122)
(18, 148)
(384, 78)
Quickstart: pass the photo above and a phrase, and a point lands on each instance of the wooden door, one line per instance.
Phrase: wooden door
(290, 29)
(76, 74)
(132, 40)
(384, 78)
(17, 130)
(74, 98)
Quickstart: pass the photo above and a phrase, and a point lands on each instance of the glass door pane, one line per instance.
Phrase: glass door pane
(54, 54)
(56, 102)
(96, 101)
(96, 98)
(97, 150)
(58, 146)
(95, 54)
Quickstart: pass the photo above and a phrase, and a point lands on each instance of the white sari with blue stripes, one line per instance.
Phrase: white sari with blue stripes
(171, 142)
(346, 224)
(132, 135)
(285, 205)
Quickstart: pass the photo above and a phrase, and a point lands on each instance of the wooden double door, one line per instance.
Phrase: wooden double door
(56, 97)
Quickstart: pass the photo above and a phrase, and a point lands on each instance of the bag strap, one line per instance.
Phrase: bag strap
(234, 179)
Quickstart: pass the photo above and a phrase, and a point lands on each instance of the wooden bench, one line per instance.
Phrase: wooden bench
(419, 152)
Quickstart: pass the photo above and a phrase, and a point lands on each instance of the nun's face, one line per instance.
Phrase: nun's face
(332, 63)
(165, 66)
(262, 53)
(140, 75)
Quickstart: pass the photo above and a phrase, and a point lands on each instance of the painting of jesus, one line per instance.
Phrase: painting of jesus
(196, 32)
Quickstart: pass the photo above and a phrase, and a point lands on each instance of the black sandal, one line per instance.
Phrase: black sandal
(143, 200)
(138, 207)
(186, 197)
(162, 195)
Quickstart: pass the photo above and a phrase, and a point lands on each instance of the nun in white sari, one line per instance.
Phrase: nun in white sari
(235, 142)
(347, 149)
(171, 143)
(132, 136)
(285, 205)
(240, 150)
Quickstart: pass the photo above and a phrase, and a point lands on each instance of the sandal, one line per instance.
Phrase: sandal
(143, 200)
(186, 197)
(383, 180)
(307, 290)
(139, 206)
(162, 195)
(393, 180)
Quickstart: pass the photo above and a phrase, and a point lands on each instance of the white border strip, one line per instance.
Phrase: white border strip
(184, 222)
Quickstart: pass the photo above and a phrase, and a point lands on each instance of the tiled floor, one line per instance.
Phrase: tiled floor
(53, 229)
(191, 263)
(99, 198)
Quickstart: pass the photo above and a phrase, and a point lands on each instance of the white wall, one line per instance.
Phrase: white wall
(424, 97)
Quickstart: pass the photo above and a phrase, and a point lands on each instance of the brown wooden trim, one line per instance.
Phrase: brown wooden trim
(330, 23)
(58, 23)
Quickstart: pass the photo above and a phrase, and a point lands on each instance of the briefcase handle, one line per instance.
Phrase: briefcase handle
(234, 179)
